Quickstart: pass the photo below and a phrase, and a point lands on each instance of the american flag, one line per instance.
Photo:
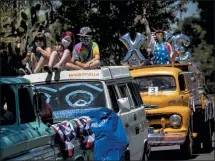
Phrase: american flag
(68, 133)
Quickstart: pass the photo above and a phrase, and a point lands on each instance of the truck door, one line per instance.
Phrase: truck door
(184, 89)
(134, 120)
(37, 138)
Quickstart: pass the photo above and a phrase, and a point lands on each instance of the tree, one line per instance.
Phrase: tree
(19, 22)
(202, 46)
(206, 9)
(112, 19)
(108, 19)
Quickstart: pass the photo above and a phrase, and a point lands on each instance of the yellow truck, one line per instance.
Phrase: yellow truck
(179, 112)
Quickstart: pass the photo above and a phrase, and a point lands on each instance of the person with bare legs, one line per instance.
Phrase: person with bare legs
(62, 54)
(40, 53)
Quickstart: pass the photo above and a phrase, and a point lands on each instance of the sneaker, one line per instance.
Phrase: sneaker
(47, 69)
(22, 71)
(28, 71)
(56, 69)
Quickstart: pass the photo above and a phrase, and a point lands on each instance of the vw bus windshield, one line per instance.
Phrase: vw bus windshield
(163, 82)
(73, 95)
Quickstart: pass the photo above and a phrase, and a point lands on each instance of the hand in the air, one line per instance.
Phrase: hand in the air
(144, 21)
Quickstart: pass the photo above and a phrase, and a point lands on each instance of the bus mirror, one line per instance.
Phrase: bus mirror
(124, 104)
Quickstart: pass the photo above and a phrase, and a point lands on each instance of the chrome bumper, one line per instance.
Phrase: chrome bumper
(160, 139)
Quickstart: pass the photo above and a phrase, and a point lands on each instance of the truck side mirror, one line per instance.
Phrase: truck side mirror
(124, 104)
(43, 108)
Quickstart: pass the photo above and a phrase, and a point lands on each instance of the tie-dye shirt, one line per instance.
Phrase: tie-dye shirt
(85, 53)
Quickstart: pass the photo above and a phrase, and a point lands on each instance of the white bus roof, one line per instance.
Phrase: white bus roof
(105, 73)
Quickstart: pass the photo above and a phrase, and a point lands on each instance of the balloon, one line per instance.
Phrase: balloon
(168, 37)
(184, 57)
(180, 39)
(181, 49)
(133, 46)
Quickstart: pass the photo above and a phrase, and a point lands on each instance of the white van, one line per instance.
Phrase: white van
(118, 93)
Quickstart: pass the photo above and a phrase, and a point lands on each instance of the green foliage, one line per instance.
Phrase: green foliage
(206, 9)
(202, 50)
(19, 23)
(20, 20)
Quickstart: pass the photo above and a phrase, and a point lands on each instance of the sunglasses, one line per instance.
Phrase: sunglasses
(85, 38)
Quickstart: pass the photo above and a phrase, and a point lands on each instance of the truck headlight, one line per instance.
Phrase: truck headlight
(175, 120)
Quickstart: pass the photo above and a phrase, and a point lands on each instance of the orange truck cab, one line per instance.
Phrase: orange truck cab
(177, 107)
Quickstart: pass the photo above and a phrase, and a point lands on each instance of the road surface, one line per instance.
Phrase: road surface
(173, 153)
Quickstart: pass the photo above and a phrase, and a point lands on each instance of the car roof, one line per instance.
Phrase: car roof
(105, 73)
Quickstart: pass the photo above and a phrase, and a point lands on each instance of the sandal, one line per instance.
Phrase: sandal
(28, 71)
(56, 69)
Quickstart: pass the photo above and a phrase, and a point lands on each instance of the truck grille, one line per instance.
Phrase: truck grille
(159, 121)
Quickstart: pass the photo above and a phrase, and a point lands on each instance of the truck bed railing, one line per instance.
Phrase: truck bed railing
(182, 66)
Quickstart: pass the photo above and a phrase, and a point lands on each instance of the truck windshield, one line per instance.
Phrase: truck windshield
(74, 95)
(163, 82)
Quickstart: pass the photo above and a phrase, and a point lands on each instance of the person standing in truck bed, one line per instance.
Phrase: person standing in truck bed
(161, 50)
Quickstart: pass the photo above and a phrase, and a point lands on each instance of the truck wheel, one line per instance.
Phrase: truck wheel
(207, 137)
(126, 157)
(196, 144)
(212, 126)
(187, 147)
(146, 154)
(145, 157)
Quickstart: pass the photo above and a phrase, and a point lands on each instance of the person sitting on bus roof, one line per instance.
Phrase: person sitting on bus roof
(38, 55)
(62, 54)
(86, 53)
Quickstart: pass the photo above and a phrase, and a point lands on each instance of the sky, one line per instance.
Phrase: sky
(192, 10)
